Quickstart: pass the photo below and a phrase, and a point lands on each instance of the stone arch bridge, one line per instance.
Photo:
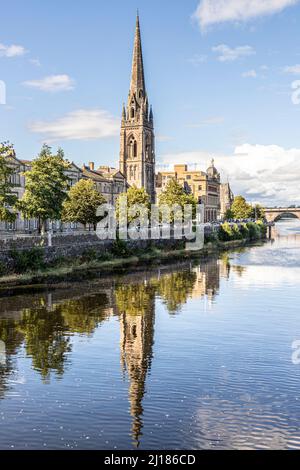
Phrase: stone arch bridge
(275, 214)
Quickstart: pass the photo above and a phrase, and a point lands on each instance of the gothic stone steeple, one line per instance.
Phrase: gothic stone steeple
(137, 150)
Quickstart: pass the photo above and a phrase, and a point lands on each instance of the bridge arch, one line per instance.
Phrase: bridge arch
(274, 215)
(291, 215)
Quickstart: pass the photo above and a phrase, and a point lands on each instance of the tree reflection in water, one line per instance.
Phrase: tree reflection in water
(45, 331)
(44, 328)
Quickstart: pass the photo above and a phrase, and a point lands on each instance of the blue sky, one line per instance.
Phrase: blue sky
(219, 75)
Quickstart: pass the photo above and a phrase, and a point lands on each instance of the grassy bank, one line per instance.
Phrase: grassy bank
(32, 270)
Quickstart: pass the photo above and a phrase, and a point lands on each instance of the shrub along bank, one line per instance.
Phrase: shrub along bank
(245, 231)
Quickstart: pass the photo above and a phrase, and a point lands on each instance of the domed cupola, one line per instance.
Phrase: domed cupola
(212, 172)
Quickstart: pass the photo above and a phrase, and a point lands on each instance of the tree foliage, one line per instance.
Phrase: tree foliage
(135, 196)
(248, 231)
(175, 194)
(240, 209)
(45, 187)
(82, 203)
(7, 198)
(258, 212)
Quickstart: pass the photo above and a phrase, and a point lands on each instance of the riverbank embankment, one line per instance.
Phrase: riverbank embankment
(86, 257)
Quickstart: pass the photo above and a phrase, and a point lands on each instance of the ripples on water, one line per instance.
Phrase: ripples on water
(192, 357)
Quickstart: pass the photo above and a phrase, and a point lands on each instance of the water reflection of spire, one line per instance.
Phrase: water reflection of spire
(136, 342)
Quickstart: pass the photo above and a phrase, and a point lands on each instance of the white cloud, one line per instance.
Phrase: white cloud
(268, 174)
(11, 51)
(292, 69)
(249, 74)
(229, 54)
(53, 83)
(83, 124)
(210, 12)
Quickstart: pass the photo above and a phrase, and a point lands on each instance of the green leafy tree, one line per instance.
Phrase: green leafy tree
(228, 214)
(82, 203)
(135, 196)
(7, 198)
(175, 194)
(258, 212)
(45, 188)
(240, 209)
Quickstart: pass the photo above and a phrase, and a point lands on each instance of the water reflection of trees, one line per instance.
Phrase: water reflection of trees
(12, 339)
(176, 288)
(45, 340)
(45, 329)
(134, 299)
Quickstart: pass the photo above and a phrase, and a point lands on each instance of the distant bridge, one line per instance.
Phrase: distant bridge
(275, 214)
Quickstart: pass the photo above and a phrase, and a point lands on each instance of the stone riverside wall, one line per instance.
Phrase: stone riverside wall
(71, 246)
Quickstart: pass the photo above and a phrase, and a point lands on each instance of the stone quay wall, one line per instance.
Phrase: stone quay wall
(72, 246)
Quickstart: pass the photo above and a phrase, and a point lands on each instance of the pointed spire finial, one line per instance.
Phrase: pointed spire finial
(151, 114)
(124, 112)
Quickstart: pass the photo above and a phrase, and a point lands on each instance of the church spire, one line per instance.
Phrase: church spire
(137, 150)
(137, 76)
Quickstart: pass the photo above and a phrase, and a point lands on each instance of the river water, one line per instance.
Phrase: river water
(194, 356)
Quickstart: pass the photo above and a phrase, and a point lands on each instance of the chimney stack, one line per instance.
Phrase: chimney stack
(92, 166)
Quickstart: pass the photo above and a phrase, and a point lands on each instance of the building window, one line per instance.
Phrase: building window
(200, 188)
(14, 179)
(10, 226)
(132, 113)
(188, 177)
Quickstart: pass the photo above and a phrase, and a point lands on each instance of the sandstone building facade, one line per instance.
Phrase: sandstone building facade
(109, 181)
(205, 186)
